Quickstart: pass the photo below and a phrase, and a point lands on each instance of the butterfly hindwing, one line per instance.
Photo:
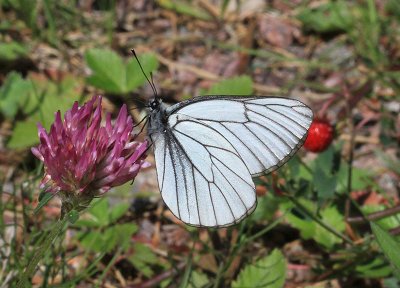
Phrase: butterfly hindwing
(202, 179)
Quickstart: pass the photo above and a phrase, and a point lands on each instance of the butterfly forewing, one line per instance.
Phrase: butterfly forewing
(210, 147)
(265, 131)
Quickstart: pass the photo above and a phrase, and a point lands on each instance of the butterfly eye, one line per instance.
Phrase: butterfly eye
(154, 104)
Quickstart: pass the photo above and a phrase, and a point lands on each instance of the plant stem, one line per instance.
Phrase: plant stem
(264, 230)
(221, 270)
(350, 124)
(38, 255)
(113, 260)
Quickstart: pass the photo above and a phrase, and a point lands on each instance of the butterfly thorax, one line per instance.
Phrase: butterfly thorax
(157, 117)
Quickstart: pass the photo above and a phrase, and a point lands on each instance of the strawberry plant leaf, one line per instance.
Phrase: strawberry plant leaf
(389, 245)
(269, 272)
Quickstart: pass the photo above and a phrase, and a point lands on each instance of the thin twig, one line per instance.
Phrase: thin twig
(374, 216)
(360, 139)
(161, 277)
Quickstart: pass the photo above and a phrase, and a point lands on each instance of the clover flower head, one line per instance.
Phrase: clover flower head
(84, 157)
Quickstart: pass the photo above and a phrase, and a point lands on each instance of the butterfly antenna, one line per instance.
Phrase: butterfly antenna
(153, 87)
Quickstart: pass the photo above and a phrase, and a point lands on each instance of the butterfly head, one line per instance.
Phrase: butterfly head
(155, 104)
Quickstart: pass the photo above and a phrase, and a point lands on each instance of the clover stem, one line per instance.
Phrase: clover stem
(38, 255)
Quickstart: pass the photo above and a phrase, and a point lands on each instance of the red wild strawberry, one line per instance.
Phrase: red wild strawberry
(320, 136)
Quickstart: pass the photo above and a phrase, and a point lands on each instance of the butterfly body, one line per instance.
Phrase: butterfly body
(207, 150)
(157, 117)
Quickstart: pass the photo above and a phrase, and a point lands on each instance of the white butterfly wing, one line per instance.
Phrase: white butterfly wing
(265, 131)
(201, 177)
(211, 148)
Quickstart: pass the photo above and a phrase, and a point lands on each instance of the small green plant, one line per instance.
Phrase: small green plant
(36, 100)
(111, 74)
(12, 51)
(239, 85)
(14, 94)
(268, 272)
(103, 233)
(390, 247)
(330, 17)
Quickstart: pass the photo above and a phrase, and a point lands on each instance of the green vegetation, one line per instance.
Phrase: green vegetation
(327, 218)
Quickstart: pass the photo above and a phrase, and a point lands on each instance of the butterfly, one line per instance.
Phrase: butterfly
(207, 149)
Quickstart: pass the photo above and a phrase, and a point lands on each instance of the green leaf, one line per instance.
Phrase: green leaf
(108, 239)
(393, 7)
(332, 217)
(297, 219)
(96, 216)
(12, 51)
(186, 8)
(386, 223)
(108, 70)
(359, 180)
(134, 75)
(324, 183)
(240, 85)
(142, 258)
(24, 135)
(13, 94)
(73, 216)
(44, 198)
(297, 170)
(25, 10)
(112, 75)
(266, 208)
(50, 97)
(123, 234)
(118, 211)
(327, 18)
(269, 272)
(40, 105)
(389, 245)
(197, 279)
(376, 268)
(310, 229)
(391, 282)
(92, 241)
(99, 211)
(324, 161)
